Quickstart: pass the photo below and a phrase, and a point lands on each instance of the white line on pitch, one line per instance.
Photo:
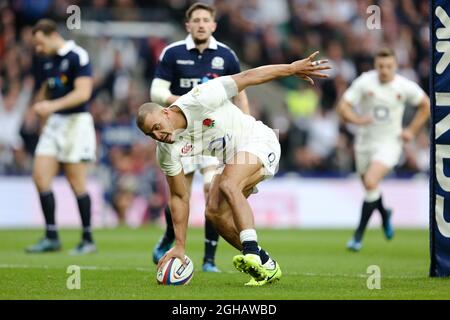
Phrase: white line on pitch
(144, 269)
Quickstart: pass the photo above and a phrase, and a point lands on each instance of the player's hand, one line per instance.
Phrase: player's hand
(176, 251)
(407, 135)
(309, 68)
(363, 120)
(44, 108)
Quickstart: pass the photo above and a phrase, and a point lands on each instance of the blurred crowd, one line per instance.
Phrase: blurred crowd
(348, 33)
(314, 141)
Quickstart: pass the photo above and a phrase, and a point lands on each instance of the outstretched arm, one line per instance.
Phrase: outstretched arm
(179, 206)
(241, 100)
(306, 69)
(160, 92)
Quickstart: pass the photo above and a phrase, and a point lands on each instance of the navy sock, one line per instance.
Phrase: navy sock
(366, 213)
(211, 239)
(264, 256)
(250, 247)
(382, 210)
(48, 208)
(84, 205)
(169, 235)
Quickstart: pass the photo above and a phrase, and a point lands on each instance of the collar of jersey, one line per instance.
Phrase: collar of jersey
(185, 132)
(191, 45)
(68, 45)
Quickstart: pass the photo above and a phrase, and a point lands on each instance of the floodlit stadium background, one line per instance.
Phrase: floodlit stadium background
(124, 39)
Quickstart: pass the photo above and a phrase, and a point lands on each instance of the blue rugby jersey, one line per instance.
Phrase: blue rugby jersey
(59, 72)
(184, 66)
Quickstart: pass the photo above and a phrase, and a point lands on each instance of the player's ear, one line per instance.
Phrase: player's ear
(188, 27)
(214, 26)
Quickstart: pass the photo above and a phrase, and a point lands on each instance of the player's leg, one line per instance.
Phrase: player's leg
(211, 235)
(377, 171)
(219, 212)
(242, 174)
(166, 241)
(76, 174)
(45, 168)
(371, 180)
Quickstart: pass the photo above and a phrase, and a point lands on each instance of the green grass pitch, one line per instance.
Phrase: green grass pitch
(315, 265)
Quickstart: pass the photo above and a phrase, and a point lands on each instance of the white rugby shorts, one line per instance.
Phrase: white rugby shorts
(68, 137)
(191, 164)
(388, 154)
(263, 143)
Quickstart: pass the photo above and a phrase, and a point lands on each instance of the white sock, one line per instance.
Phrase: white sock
(248, 235)
(372, 196)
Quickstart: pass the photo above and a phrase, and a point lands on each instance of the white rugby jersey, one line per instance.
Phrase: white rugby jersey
(215, 126)
(385, 103)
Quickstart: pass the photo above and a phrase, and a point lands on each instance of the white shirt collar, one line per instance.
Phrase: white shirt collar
(68, 45)
(191, 45)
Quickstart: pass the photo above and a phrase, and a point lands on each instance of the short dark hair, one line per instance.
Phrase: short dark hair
(198, 6)
(46, 26)
(385, 52)
(144, 110)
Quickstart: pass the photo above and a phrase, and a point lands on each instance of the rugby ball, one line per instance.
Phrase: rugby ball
(174, 273)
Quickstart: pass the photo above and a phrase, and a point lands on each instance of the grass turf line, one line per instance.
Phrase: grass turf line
(315, 265)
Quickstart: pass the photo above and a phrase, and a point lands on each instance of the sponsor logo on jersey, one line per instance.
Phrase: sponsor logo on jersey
(57, 82)
(271, 158)
(381, 113)
(185, 62)
(186, 149)
(217, 63)
(209, 76)
(64, 65)
(189, 82)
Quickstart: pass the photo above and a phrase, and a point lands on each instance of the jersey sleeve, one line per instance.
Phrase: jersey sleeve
(414, 93)
(169, 161)
(354, 93)
(234, 66)
(82, 65)
(213, 94)
(164, 69)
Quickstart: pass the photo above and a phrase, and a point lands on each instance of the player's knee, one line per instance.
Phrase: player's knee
(41, 180)
(212, 207)
(228, 188)
(211, 215)
(78, 185)
(370, 183)
(206, 189)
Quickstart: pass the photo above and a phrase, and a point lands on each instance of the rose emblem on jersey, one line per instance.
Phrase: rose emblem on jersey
(209, 122)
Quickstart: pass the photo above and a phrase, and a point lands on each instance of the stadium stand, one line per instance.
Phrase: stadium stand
(314, 141)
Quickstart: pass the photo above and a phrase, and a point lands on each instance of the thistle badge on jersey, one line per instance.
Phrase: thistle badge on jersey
(217, 63)
(209, 122)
